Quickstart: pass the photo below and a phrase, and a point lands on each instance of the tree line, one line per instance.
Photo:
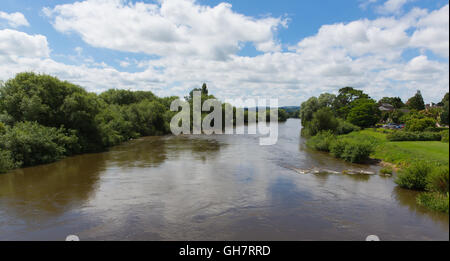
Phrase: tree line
(43, 119)
(353, 108)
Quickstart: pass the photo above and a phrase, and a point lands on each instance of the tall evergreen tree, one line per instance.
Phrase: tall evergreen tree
(416, 102)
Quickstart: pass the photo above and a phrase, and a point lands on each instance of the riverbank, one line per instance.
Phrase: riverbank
(218, 187)
(420, 165)
(403, 154)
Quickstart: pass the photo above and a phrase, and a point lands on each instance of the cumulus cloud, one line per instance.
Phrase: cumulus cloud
(392, 6)
(14, 19)
(18, 44)
(170, 27)
(365, 54)
(433, 32)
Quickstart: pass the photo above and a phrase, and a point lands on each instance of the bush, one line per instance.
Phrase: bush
(437, 180)
(321, 141)
(434, 200)
(444, 135)
(31, 143)
(345, 127)
(322, 120)
(415, 176)
(387, 171)
(6, 161)
(416, 124)
(355, 150)
(414, 136)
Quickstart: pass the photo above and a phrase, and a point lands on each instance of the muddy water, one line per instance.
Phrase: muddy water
(209, 188)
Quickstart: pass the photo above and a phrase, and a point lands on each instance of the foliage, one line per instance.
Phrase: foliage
(307, 109)
(321, 141)
(343, 102)
(434, 201)
(396, 102)
(419, 124)
(355, 149)
(416, 102)
(444, 135)
(414, 136)
(437, 179)
(6, 161)
(126, 97)
(31, 143)
(387, 171)
(445, 113)
(322, 120)
(345, 127)
(364, 113)
(415, 176)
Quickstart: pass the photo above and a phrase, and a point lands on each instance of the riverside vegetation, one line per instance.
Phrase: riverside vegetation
(346, 126)
(43, 119)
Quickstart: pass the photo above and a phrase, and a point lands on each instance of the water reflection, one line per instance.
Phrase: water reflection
(407, 198)
(208, 188)
(51, 188)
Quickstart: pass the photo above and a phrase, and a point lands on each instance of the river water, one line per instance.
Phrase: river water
(221, 187)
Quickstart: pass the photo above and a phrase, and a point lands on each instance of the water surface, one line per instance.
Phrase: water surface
(209, 188)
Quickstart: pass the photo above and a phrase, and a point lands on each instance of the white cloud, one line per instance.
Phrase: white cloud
(19, 44)
(170, 27)
(14, 19)
(124, 64)
(392, 6)
(366, 54)
(433, 32)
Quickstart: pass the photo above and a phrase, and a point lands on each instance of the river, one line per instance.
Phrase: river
(220, 187)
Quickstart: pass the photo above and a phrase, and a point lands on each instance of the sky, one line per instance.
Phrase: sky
(284, 49)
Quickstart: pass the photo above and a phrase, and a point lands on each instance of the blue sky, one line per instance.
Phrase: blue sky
(243, 48)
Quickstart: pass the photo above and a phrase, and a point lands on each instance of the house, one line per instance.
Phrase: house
(386, 107)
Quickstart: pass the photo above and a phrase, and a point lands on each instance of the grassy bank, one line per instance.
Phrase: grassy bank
(404, 153)
(423, 166)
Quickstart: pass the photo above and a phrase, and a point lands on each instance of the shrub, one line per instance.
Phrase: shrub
(322, 120)
(345, 127)
(415, 124)
(321, 141)
(437, 180)
(352, 149)
(434, 200)
(387, 171)
(6, 161)
(31, 143)
(414, 136)
(415, 176)
(444, 135)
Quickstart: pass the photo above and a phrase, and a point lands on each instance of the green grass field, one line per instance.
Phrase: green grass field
(403, 153)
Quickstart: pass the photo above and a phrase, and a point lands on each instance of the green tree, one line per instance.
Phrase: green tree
(396, 102)
(326, 100)
(31, 143)
(346, 96)
(363, 113)
(416, 102)
(322, 120)
(445, 113)
(307, 110)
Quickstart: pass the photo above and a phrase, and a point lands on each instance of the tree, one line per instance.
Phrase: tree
(307, 109)
(416, 102)
(444, 100)
(326, 100)
(204, 89)
(363, 113)
(396, 102)
(322, 120)
(347, 95)
(445, 114)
